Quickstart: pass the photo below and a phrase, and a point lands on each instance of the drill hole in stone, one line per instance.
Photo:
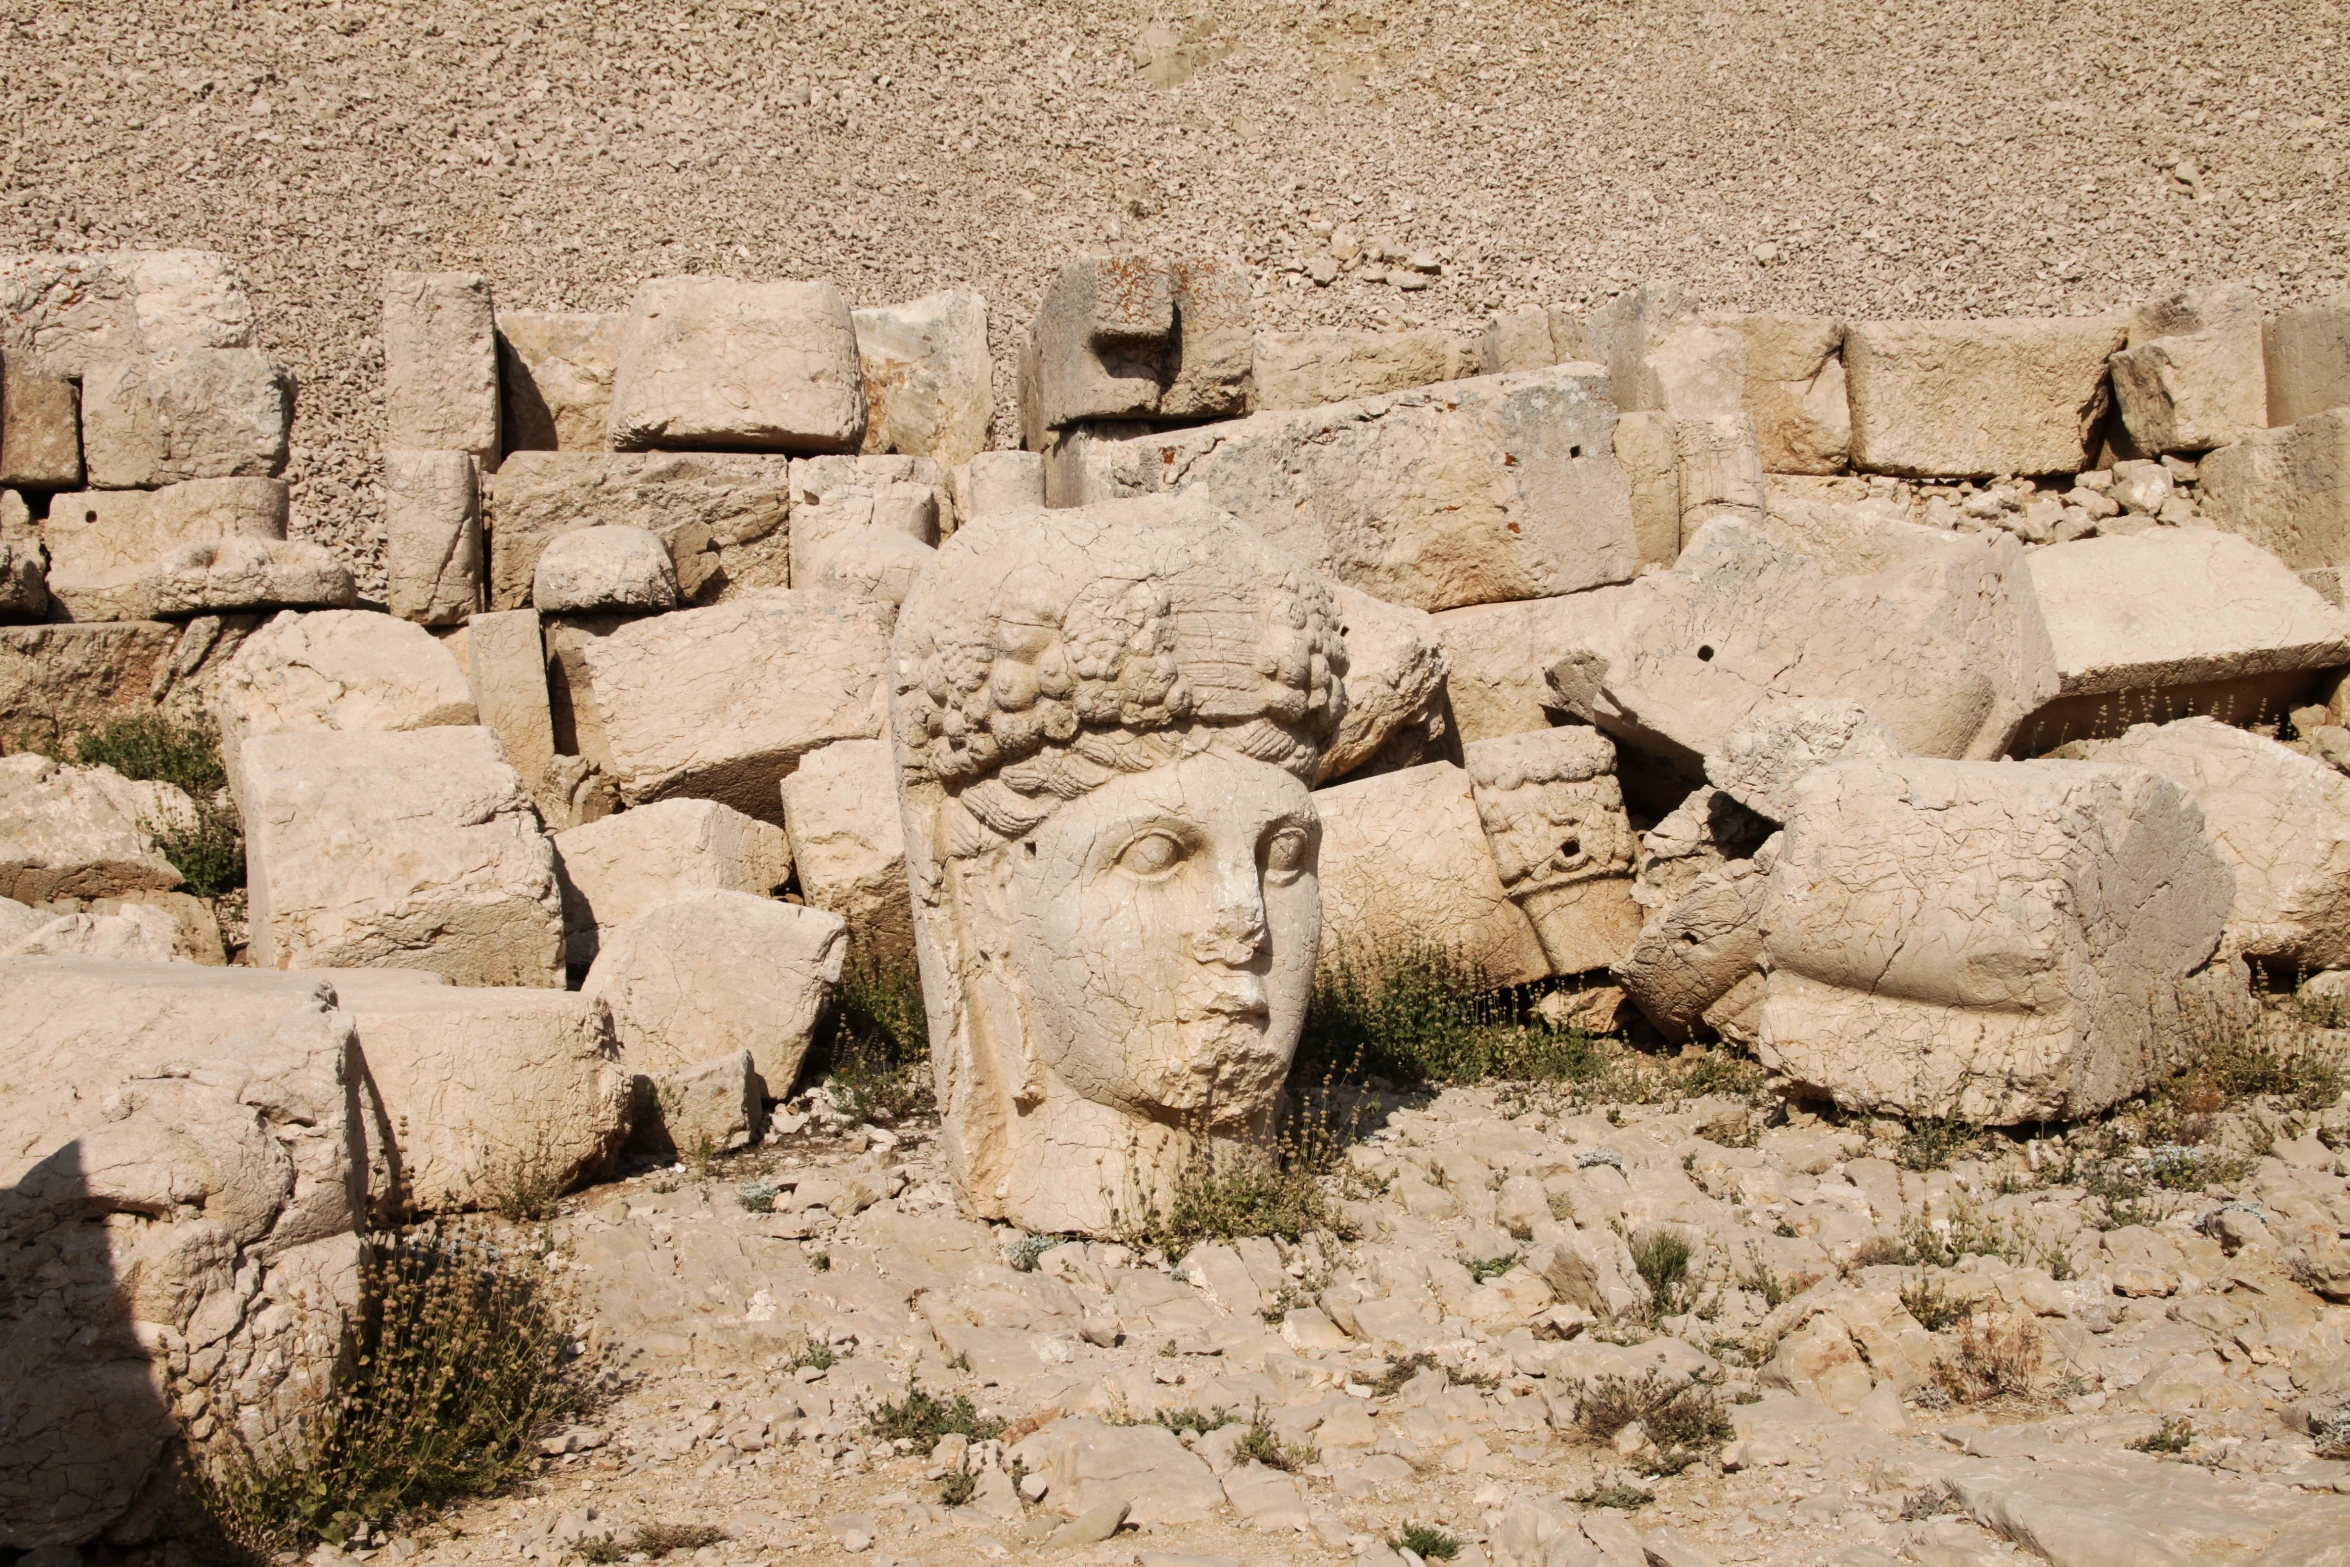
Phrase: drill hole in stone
(1571, 848)
(1705, 653)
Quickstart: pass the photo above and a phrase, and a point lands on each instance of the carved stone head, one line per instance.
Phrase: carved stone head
(1106, 721)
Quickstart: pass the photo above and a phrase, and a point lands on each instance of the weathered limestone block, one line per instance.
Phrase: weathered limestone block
(1650, 453)
(1090, 1463)
(1795, 391)
(1697, 949)
(712, 363)
(495, 1096)
(865, 538)
(711, 972)
(24, 562)
(1128, 337)
(440, 347)
(69, 313)
(929, 387)
(2193, 376)
(611, 569)
(506, 670)
(103, 545)
(337, 670)
(1485, 490)
(1321, 365)
(1837, 523)
(1396, 712)
(1495, 656)
(248, 574)
(40, 425)
(176, 929)
(2286, 490)
(2281, 823)
(432, 536)
(1706, 831)
(1761, 757)
(721, 703)
(2000, 941)
(998, 481)
(414, 850)
(840, 805)
(1554, 815)
(1515, 340)
(1943, 644)
(555, 371)
(83, 832)
(1106, 720)
(1661, 355)
(202, 413)
(615, 869)
(1968, 399)
(1721, 471)
(2307, 354)
(2259, 638)
(58, 680)
(187, 1151)
(722, 515)
(713, 1107)
(1406, 866)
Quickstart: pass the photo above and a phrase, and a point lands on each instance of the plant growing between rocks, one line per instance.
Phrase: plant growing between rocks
(210, 854)
(1427, 1543)
(872, 1052)
(1994, 1359)
(922, 1417)
(1262, 1443)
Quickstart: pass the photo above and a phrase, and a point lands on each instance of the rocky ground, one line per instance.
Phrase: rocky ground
(2084, 1349)
(1930, 159)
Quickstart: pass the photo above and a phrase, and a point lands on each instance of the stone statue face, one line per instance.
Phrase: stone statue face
(1165, 927)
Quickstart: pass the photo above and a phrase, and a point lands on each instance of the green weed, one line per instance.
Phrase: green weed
(2176, 1436)
(1262, 1443)
(924, 1417)
(1662, 1255)
(210, 852)
(1426, 1543)
(873, 1050)
(1490, 1267)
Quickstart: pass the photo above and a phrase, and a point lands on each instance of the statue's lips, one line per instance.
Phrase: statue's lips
(1246, 1000)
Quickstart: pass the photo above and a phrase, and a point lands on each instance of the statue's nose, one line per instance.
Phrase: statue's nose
(1236, 933)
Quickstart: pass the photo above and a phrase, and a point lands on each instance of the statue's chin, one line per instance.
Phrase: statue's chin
(1221, 1067)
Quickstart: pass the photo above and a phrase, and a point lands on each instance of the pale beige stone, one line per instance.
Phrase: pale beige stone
(497, 1097)
(432, 536)
(1721, 471)
(1106, 720)
(203, 413)
(2281, 823)
(40, 425)
(721, 514)
(1661, 355)
(1121, 337)
(721, 703)
(2193, 377)
(1490, 489)
(609, 569)
(2287, 490)
(1761, 758)
(1306, 369)
(1495, 656)
(397, 850)
(135, 932)
(2000, 941)
(1514, 340)
(929, 388)
(715, 364)
(555, 372)
(58, 680)
(708, 973)
(1706, 831)
(189, 1151)
(998, 481)
(1961, 399)
(104, 544)
(615, 869)
(1396, 712)
(1795, 391)
(840, 805)
(70, 312)
(440, 348)
(2306, 349)
(1698, 948)
(83, 832)
(337, 670)
(506, 671)
(1649, 451)
(248, 574)
(1090, 1463)
(714, 1107)
(1553, 813)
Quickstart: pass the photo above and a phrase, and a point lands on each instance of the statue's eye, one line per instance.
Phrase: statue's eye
(1287, 851)
(1151, 854)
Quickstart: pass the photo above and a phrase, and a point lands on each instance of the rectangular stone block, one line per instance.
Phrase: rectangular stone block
(432, 536)
(1971, 399)
(1122, 337)
(1554, 816)
(1650, 454)
(1512, 341)
(506, 666)
(1321, 365)
(40, 426)
(58, 680)
(1495, 655)
(1489, 489)
(2286, 490)
(840, 805)
(1661, 355)
(2307, 354)
(1795, 391)
(2193, 377)
(716, 364)
(104, 544)
(555, 368)
(440, 348)
(996, 481)
(929, 385)
(397, 850)
(614, 869)
(201, 413)
(73, 312)
(721, 703)
(1721, 471)
(721, 514)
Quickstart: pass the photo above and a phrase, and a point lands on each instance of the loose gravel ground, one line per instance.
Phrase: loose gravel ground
(1919, 159)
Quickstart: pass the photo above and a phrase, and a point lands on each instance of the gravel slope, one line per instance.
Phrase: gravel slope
(1929, 158)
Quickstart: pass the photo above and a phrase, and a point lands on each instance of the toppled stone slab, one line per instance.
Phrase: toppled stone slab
(555, 370)
(2286, 490)
(1495, 655)
(103, 545)
(1406, 872)
(147, 927)
(1703, 833)
(715, 364)
(849, 847)
(709, 973)
(248, 574)
(693, 1112)
(432, 536)
(1999, 941)
(2259, 637)
(2193, 376)
(1126, 337)
(440, 348)
(68, 313)
(721, 515)
(83, 832)
(1554, 814)
(506, 669)
(187, 1149)
(608, 569)
(929, 387)
(1661, 355)
(998, 481)
(1970, 399)
(201, 413)
(2306, 349)
(1650, 453)
(1719, 465)
(721, 703)
(348, 670)
(397, 850)
(1396, 710)
(1695, 950)
(1496, 488)
(1319, 365)
(2279, 820)
(615, 869)
(1762, 756)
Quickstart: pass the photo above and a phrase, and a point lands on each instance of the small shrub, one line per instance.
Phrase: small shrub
(960, 1484)
(1930, 1142)
(758, 1196)
(873, 1051)
(1491, 1267)
(2176, 1436)
(1883, 1251)
(1692, 1421)
(660, 1539)
(1764, 1280)
(1662, 1254)
(1182, 1420)
(599, 1550)
(1401, 1369)
(821, 1261)
(1229, 1196)
(1933, 1306)
(1991, 1361)
(2333, 1434)
(1426, 1543)
(923, 1417)
(1023, 1253)
(1615, 1494)
(1938, 1500)
(813, 1351)
(1262, 1443)
(210, 853)
(1685, 1423)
